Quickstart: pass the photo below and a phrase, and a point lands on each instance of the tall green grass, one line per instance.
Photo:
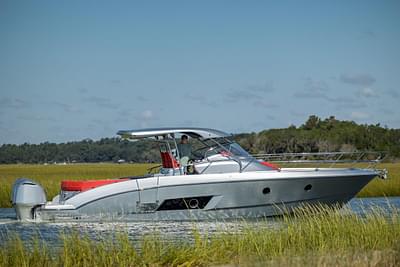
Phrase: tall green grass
(387, 188)
(50, 177)
(313, 236)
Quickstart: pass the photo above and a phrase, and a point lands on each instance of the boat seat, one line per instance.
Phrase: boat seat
(72, 185)
(168, 161)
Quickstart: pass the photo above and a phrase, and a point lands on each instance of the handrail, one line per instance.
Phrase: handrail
(332, 158)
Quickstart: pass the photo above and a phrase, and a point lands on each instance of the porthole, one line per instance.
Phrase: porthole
(266, 190)
(307, 187)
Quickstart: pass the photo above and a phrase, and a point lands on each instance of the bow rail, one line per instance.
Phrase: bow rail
(370, 158)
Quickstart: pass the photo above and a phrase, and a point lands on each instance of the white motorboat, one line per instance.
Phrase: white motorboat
(219, 181)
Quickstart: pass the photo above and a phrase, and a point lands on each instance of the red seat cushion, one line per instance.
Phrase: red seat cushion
(71, 185)
(168, 161)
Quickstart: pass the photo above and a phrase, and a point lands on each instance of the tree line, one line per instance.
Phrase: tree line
(324, 135)
(315, 135)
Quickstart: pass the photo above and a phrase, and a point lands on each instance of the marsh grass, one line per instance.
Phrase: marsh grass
(387, 188)
(312, 236)
(50, 177)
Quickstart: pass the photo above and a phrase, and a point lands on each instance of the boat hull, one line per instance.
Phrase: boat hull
(219, 196)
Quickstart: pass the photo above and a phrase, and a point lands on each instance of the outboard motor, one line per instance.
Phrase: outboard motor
(26, 196)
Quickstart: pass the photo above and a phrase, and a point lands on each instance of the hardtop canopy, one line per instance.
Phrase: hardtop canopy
(202, 133)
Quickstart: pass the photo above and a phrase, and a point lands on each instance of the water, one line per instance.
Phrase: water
(172, 230)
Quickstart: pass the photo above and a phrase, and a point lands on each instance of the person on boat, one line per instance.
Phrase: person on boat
(185, 155)
(185, 150)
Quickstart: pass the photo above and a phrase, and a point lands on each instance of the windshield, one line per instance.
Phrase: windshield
(209, 147)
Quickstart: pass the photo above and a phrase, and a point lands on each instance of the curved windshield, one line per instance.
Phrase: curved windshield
(237, 150)
(223, 146)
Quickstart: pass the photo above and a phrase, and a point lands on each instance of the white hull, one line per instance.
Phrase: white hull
(219, 196)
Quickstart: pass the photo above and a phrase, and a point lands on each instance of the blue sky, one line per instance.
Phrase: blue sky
(71, 70)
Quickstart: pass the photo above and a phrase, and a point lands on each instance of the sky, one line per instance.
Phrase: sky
(71, 70)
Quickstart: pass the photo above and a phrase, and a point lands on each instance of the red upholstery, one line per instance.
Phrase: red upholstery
(168, 161)
(271, 165)
(86, 185)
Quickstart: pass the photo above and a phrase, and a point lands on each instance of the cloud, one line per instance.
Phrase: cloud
(29, 117)
(314, 89)
(14, 103)
(269, 117)
(367, 92)
(202, 100)
(249, 93)
(264, 88)
(100, 102)
(393, 93)
(142, 98)
(368, 34)
(236, 95)
(346, 102)
(83, 90)
(145, 118)
(67, 107)
(359, 115)
(358, 79)
(264, 104)
(386, 111)
(147, 114)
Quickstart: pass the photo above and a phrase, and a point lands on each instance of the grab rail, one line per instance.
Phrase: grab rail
(332, 158)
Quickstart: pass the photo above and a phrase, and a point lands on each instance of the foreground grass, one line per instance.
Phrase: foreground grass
(50, 177)
(312, 237)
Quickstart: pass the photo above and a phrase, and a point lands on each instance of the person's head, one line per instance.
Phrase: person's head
(184, 139)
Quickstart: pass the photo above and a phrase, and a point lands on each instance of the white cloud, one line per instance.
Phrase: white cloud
(145, 118)
(367, 92)
(147, 114)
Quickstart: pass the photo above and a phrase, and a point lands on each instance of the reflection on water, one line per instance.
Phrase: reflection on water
(172, 230)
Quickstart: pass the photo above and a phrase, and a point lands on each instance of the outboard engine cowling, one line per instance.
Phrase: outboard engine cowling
(26, 196)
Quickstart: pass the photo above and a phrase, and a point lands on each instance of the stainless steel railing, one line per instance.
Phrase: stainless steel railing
(370, 158)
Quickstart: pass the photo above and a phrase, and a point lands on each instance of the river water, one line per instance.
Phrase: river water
(171, 230)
